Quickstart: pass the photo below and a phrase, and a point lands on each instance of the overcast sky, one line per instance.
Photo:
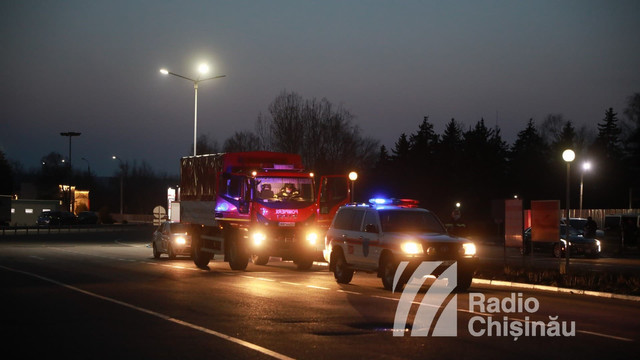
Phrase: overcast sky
(93, 67)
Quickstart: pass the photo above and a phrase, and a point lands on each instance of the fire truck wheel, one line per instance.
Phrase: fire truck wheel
(238, 258)
(304, 264)
(200, 258)
(341, 270)
(388, 267)
(260, 259)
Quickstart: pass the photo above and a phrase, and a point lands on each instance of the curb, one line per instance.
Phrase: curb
(555, 289)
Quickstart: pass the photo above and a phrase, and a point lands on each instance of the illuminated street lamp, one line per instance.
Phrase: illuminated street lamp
(353, 176)
(586, 166)
(70, 134)
(202, 69)
(121, 182)
(568, 156)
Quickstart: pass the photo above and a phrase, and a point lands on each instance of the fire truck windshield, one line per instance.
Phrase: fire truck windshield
(279, 189)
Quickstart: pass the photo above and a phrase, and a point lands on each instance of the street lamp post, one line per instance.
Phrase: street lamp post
(353, 176)
(203, 69)
(568, 156)
(69, 134)
(586, 166)
(121, 183)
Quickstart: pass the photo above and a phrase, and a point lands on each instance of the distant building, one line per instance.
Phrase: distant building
(26, 212)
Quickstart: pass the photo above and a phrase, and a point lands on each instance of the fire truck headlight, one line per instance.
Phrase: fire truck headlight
(469, 249)
(180, 240)
(312, 238)
(412, 248)
(258, 238)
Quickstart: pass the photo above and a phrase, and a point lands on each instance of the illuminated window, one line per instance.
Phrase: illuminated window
(28, 211)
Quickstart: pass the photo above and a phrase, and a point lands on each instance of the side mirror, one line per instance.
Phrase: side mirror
(371, 228)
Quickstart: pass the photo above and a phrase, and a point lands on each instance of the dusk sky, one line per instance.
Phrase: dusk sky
(93, 67)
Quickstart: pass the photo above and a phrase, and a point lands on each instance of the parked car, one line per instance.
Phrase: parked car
(171, 238)
(579, 223)
(377, 238)
(87, 217)
(56, 218)
(578, 244)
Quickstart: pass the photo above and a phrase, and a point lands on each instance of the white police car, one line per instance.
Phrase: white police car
(377, 237)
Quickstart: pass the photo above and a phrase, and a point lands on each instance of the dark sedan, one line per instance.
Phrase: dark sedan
(578, 244)
(57, 218)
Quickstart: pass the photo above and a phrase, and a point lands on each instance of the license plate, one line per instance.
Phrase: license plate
(286, 223)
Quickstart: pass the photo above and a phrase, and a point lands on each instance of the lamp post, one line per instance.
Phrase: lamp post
(121, 182)
(586, 166)
(353, 176)
(202, 69)
(69, 134)
(568, 156)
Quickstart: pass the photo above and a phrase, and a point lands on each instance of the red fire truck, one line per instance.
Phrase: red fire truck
(253, 205)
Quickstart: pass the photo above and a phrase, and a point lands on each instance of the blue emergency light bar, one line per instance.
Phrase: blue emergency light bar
(393, 201)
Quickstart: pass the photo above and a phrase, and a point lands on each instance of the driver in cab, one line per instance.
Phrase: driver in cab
(288, 191)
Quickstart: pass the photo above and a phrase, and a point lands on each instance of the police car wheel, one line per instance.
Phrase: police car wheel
(341, 271)
(464, 281)
(388, 273)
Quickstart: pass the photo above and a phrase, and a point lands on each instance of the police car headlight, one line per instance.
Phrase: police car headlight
(312, 238)
(257, 238)
(469, 249)
(180, 240)
(411, 248)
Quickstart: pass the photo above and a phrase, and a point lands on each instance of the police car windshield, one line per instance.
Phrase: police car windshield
(283, 189)
(399, 220)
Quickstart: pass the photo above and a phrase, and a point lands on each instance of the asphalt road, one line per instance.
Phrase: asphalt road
(102, 295)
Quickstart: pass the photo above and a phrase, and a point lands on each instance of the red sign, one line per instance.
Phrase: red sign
(545, 220)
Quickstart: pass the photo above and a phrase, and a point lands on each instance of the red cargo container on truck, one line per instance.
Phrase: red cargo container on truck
(253, 205)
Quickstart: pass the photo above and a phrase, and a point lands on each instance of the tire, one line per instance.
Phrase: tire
(238, 257)
(341, 270)
(464, 281)
(260, 259)
(557, 250)
(304, 264)
(170, 251)
(388, 268)
(156, 253)
(200, 258)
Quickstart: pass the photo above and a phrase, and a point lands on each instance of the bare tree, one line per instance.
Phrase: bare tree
(322, 134)
(242, 141)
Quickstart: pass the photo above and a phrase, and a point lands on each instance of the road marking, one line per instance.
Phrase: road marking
(36, 257)
(605, 335)
(317, 287)
(349, 292)
(290, 283)
(241, 342)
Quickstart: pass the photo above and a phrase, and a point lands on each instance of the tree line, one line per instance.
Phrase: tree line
(472, 165)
